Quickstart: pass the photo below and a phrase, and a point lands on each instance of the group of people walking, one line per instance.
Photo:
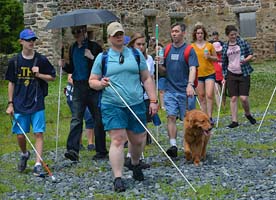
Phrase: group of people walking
(117, 86)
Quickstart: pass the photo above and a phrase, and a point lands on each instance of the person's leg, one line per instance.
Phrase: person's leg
(209, 87)
(234, 108)
(217, 90)
(116, 151)
(100, 135)
(137, 142)
(89, 126)
(38, 145)
(201, 96)
(161, 97)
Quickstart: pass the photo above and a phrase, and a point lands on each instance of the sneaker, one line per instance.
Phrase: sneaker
(72, 155)
(100, 156)
(38, 171)
(91, 147)
(233, 125)
(144, 165)
(137, 173)
(81, 147)
(119, 185)
(23, 162)
(212, 121)
(128, 163)
(251, 119)
(172, 152)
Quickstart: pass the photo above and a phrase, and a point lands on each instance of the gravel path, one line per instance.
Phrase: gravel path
(241, 164)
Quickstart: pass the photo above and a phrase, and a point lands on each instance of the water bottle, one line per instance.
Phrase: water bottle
(161, 56)
(242, 58)
(206, 52)
(156, 120)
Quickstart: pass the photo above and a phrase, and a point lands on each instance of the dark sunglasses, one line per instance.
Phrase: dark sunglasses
(76, 31)
(121, 58)
(30, 40)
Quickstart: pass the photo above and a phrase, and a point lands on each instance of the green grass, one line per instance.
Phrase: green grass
(263, 81)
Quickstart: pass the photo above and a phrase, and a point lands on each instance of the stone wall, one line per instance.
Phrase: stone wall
(215, 14)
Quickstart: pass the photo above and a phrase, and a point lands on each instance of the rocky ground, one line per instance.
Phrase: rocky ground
(241, 164)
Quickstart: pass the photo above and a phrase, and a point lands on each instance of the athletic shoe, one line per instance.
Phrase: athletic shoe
(81, 147)
(251, 119)
(23, 162)
(90, 147)
(144, 165)
(100, 156)
(72, 155)
(137, 173)
(141, 163)
(38, 171)
(233, 125)
(119, 185)
(172, 152)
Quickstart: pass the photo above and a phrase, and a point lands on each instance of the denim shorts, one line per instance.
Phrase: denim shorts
(37, 120)
(175, 104)
(161, 83)
(205, 78)
(115, 117)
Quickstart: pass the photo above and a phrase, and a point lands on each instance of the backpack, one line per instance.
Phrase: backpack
(43, 84)
(186, 57)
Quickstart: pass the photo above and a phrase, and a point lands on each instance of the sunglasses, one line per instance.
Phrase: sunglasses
(121, 58)
(30, 40)
(76, 31)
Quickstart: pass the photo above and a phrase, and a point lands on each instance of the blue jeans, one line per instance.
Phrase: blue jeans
(84, 96)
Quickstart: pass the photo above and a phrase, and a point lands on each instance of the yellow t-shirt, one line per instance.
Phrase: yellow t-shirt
(206, 66)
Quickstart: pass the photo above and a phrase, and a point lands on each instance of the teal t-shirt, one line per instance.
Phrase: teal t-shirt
(124, 77)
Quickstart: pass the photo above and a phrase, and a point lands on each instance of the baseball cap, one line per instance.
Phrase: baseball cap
(114, 27)
(217, 46)
(27, 34)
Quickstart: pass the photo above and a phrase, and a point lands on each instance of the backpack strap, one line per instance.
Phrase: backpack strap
(167, 50)
(104, 62)
(137, 56)
(187, 52)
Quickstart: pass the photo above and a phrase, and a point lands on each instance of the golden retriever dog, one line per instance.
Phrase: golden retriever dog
(197, 130)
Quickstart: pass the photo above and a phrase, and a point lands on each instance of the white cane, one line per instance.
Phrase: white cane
(157, 65)
(152, 136)
(220, 101)
(266, 109)
(58, 112)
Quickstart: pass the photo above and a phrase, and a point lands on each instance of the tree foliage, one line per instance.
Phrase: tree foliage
(11, 23)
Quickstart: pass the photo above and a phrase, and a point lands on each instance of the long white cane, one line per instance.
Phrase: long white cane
(157, 65)
(58, 112)
(152, 136)
(220, 101)
(266, 109)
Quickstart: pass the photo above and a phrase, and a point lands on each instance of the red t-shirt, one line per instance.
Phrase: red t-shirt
(218, 68)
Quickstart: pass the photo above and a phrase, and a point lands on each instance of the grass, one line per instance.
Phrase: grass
(263, 81)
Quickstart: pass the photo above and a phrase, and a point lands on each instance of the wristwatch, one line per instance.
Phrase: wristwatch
(191, 83)
(154, 101)
(10, 102)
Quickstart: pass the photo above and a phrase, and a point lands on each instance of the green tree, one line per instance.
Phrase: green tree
(11, 23)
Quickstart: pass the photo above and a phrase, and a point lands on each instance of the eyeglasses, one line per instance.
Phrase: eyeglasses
(121, 58)
(76, 31)
(30, 40)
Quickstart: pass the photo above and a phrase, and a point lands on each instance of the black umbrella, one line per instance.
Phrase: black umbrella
(82, 17)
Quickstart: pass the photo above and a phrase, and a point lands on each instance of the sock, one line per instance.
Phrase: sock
(142, 156)
(128, 155)
(173, 142)
(25, 154)
(37, 163)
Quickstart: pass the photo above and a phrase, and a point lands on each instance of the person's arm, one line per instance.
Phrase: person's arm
(98, 83)
(190, 87)
(45, 77)
(150, 89)
(10, 109)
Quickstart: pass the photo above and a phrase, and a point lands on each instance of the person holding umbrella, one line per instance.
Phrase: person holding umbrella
(122, 72)
(82, 54)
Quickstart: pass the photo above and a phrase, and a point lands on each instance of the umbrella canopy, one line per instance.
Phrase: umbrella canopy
(82, 17)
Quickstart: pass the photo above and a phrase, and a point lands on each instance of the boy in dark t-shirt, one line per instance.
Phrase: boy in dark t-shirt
(28, 73)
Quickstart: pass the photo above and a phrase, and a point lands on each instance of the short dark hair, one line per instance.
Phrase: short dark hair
(230, 28)
(182, 26)
(215, 33)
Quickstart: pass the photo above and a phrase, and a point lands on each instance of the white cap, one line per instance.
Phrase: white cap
(114, 27)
